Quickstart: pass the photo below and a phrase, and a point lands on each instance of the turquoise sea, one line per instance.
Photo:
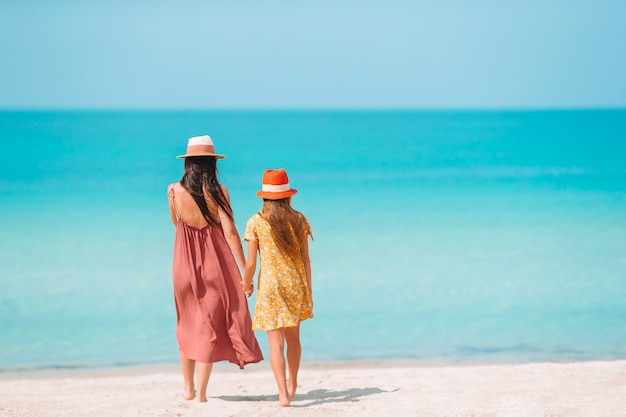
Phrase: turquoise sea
(442, 236)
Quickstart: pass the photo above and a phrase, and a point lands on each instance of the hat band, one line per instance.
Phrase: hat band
(200, 149)
(276, 188)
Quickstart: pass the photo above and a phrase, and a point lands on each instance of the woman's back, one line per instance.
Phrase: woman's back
(187, 209)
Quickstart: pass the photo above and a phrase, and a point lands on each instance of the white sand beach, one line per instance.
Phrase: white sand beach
(335, 389)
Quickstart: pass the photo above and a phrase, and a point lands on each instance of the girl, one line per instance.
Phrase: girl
(213, 321)
(280, 234)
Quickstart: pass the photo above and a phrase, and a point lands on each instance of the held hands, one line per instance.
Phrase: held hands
(247, 289)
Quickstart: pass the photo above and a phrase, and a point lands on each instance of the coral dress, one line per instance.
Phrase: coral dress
(213, 321)
(283, 297)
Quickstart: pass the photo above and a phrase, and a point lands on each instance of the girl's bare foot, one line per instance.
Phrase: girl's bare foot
(292, 384)
(284, 400)
(201, 398)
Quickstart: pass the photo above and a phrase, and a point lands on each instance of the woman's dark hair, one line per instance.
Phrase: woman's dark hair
(201, 180)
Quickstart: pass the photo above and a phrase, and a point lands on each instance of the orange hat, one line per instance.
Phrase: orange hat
(276, 185)
(201, 146)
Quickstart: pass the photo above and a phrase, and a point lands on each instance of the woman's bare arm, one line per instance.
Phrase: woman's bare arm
(170, 198)
(231, 234)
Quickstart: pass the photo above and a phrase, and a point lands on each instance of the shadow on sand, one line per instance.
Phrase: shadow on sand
(317, 397)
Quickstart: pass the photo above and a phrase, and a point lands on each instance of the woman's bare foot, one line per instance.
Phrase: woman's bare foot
(201, 398)
(284, 400)
(291, 387)
(189, 394)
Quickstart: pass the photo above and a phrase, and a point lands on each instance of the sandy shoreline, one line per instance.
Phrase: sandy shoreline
(380, 388)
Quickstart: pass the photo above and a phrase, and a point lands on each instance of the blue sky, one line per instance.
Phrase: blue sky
(313, 54)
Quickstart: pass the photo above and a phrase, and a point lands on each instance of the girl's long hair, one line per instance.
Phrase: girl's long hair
(288, 226)
(201, 181)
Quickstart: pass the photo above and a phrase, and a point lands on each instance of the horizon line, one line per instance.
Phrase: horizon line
(308, 109)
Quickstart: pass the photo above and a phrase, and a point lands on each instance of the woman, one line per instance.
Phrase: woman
(213, 320)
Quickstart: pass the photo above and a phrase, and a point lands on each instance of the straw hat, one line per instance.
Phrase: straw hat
(201, 146)
(276, 185)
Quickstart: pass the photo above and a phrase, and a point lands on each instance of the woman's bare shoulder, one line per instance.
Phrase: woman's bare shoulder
(225, 191)
(176, 186)
(176, 189)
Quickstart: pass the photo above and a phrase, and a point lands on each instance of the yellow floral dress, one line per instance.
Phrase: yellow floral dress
(283, 296)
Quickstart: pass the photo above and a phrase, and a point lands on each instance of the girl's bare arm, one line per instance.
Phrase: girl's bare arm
(248, 271)
(307, 262)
